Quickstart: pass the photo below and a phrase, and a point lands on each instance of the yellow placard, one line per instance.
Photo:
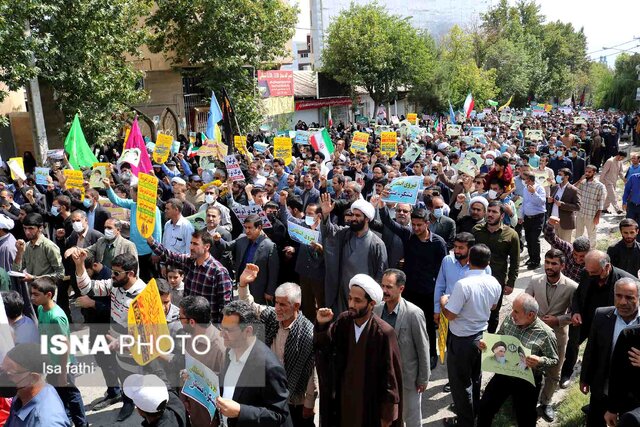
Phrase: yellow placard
(75, 180)
(388, 143)
(412, 117)
(148, 324)
(147, 197)
(127, 131)
(359, 142)
(443, 330)
(240, 142)
(282, 147)
(16, 165)
(163, 148)
(107, 167)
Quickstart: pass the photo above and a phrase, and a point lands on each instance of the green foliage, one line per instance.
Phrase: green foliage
(619, 90)
(368, 47)
(79, 48)
(226, 40)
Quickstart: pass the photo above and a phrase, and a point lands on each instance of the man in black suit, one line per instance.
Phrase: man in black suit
(624, 377)
(253, 383)
(96, 214)
(82, 237)
(608, 323)
(254, 247)
(578, 165)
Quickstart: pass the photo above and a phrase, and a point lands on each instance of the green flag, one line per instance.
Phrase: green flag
(492, 103)
(78, 151)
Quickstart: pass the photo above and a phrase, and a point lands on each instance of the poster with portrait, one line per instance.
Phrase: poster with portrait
(506, 355)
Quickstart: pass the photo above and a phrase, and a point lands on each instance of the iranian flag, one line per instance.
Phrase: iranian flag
(321, 142)
(468, 105)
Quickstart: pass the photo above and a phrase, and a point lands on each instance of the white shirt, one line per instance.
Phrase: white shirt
(620, 326)
(559, 194)
(359, 329)
(236, 365)
(177, 237)
(471, 301)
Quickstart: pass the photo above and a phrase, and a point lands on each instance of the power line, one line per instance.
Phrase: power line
(609, 48)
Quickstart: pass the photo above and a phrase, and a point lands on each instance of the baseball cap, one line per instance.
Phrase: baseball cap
(148, 392)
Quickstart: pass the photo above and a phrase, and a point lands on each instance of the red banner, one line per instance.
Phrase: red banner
(275, 83)
(324, 102)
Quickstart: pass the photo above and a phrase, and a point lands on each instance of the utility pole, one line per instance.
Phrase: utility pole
(41, 145)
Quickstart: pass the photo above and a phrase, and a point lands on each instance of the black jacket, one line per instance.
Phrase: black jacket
(579, 301)
(624, 379)
(627, 260)
(261, 390)
(597, 356)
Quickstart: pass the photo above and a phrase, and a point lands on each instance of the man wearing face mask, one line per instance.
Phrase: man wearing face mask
(560, 161)
(123, 287)
(440, 224)
(96, 214)
(36, 402)
(596, 289)
(579, 165)
(81, 237)
(110, 245)
(211, 200)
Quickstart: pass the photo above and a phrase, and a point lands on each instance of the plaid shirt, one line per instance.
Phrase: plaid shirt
(592, 196)
(571, 269)
(538, 337)
(210, 280)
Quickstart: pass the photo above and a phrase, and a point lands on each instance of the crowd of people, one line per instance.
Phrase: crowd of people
(352, 319)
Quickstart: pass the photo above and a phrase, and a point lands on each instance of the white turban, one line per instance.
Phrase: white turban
(6, 223)
(365, 207)
(479, 199)
(370, 286)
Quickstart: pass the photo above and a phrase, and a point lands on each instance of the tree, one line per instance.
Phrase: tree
(77, 48)
(368, 47)
(619, 90)
(226, 41)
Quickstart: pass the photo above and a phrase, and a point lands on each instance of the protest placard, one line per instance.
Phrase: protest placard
(477, 131)
(75, 180)
(131, 156)
(202, 385)
(542, 178)
(41, 175)
(282, 149)
(57, 154)
(453, 130)
(506, 355)
(404, 189)
(198, 220)
(147, 197)
(302, 137)
(579, 121)
(118, 213)
(242, 212)
(16, 166)
(505, 117)
(412, 153)
(233, 168)
(98, 173)
(412, 117)
(162, 148)
(260, 147)
(147, 323)
(515, 125)
(533, 134)
(359, 142)
(302, 234)
(240, 142)
(388, 143)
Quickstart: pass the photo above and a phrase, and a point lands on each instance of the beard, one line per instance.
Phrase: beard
(356, 226)
(357, 314)
(120, 283)
(460, 256)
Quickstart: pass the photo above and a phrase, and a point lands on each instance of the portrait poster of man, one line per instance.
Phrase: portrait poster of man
(506, 355)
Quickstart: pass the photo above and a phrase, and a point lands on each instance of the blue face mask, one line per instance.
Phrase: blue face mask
(86, 203)
(55, 211)
(559, 179)
(552, 152)
(438, 212)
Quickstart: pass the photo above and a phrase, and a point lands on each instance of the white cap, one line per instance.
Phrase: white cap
(365, 207)
(370, 286)
(178, 180)
(148, 392)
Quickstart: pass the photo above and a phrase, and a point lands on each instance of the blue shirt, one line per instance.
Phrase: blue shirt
(45, 408)
(534, 161)
(533, 203)
(520, 187)
(26, 331)
(282, 181)
(450, 272)
(632, 171)
(134, 235)
(632, 190)
(91, 218)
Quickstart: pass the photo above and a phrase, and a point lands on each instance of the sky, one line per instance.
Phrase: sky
(606, 23)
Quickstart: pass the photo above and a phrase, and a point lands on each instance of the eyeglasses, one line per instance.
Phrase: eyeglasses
(118, 273)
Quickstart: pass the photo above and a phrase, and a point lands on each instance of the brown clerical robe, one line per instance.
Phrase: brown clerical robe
(360, 383)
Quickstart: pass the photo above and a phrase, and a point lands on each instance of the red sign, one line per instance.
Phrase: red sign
(324, 102)
(275, 83)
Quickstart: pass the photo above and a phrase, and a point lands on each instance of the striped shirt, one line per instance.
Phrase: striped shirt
(592, 194)
(571, 269)
(538, 337)
(210, 280)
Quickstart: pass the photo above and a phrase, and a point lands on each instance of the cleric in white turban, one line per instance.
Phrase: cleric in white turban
(370, 286)
(7, 242)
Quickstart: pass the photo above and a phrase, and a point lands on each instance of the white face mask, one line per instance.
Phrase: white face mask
(488, 161)
(209, 199)
(493, 194)
(78, 226)
(309, 220)
(109, 234)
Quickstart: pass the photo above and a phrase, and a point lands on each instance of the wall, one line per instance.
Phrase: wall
(13, 102)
